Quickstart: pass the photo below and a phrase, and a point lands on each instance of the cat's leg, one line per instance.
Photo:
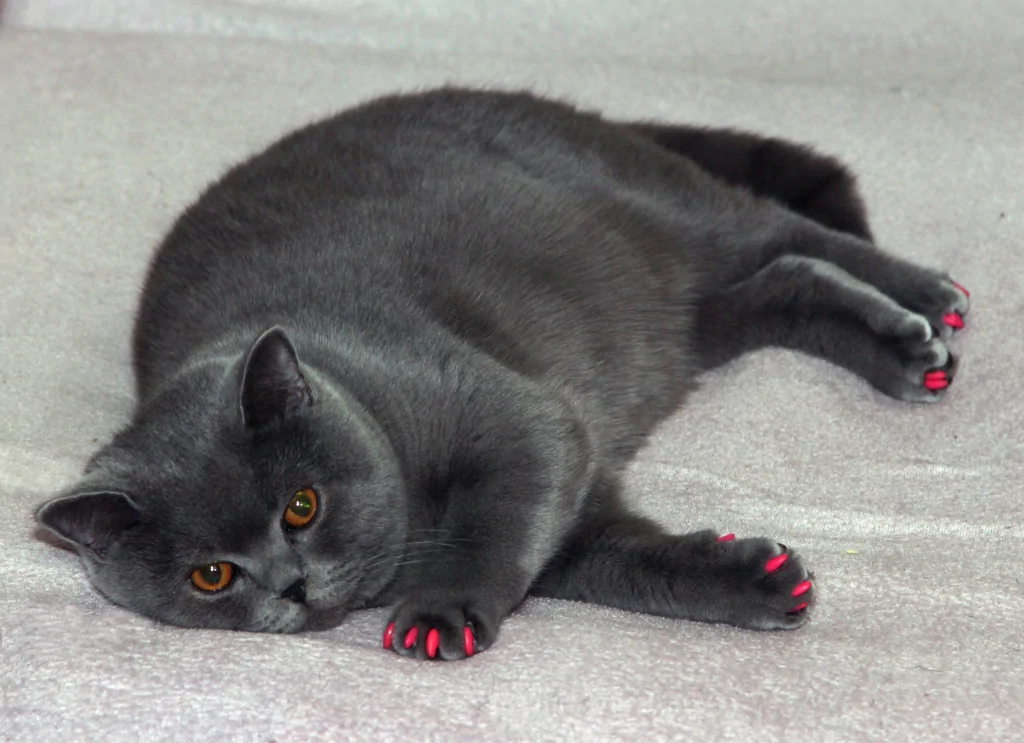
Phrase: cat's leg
(926, 291)
(515, 482)
(816, 186)
(628, 562)
(823, 191)
(814, 306)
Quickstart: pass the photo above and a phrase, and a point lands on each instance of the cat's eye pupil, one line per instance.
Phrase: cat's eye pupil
(302, 505)
(211, 574)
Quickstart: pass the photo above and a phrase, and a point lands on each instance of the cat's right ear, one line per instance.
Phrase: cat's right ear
(92, 521)
(273, 387)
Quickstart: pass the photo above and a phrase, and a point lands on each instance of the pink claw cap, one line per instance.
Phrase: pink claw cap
(389, 635)
(410, 638)
(776, 562)
(953, 320)
(962, 288)
(936, 384)
(468, 641)
(801, 589)
(726, 537)
(433, 640)
(799, 607)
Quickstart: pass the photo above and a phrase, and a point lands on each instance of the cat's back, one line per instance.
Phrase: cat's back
(351, 189)
(406, 199)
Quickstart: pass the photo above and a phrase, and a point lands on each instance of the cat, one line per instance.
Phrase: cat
(402, 357)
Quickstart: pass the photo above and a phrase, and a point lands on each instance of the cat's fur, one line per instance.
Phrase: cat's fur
(458, 315)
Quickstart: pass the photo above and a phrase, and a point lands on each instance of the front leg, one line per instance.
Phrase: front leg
(512, 487)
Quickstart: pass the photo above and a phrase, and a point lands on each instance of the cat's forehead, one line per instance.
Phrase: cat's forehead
(204, 473)
(199, 475)
(215, 508)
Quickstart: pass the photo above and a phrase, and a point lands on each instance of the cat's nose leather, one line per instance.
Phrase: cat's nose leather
(296, 591)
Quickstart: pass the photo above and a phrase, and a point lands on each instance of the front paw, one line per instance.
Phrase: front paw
(763, 585)
(431, 629)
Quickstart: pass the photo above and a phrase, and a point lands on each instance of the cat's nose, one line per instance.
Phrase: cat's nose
(296, 591)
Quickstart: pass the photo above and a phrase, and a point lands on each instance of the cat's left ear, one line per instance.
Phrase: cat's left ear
(93, 521)
(273, 387)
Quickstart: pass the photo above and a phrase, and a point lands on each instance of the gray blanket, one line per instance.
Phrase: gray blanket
(114, 114)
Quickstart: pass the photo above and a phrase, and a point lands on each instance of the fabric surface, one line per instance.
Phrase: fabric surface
(113, 114)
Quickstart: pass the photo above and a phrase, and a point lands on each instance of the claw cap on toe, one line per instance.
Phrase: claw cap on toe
(433, 640)
(776, 562)
(936, 380)
(801, 589)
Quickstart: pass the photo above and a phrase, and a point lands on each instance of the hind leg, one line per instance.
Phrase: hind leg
(813, 306)
(628, 562)
(823, 191)
(813, 185)
(922, 290)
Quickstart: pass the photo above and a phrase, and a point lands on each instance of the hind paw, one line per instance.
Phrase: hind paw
(945, 304)
(926, 372)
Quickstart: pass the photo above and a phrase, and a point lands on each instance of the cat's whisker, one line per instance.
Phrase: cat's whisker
(438, 531)
(404, 551)
(437, 543)
(387, 561)
(405, 563)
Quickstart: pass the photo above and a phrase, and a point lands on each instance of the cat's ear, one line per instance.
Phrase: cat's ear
(273, 387)
(93, 521)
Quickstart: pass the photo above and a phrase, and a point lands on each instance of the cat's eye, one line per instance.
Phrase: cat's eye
(213, 577)
(301, 508)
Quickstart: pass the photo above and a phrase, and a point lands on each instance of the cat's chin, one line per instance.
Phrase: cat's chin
(289, 627)
(293, 619)
(323, 615)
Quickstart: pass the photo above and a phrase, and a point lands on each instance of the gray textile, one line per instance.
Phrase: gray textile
(113, 114)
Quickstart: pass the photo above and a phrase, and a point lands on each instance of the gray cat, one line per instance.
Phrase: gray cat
(402, 358)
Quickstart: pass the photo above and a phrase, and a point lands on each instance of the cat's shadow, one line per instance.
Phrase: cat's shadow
(42, 534)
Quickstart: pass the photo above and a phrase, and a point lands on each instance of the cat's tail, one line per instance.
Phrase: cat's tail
(816, 186)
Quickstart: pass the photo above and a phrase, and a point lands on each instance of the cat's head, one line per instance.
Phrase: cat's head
(248, 493)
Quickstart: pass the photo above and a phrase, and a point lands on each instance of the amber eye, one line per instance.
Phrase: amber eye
(212, 577)
(301, 508)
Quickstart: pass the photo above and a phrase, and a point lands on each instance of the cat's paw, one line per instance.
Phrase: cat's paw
(943, 302)
(766, 586)
(434, 630)
(925, 371)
